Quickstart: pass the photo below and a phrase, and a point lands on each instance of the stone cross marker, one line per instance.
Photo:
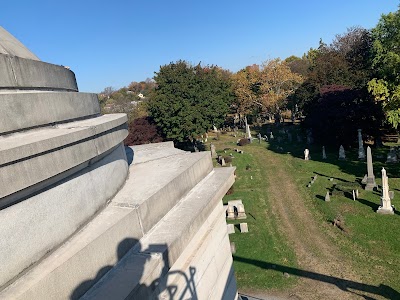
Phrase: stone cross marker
(342, 153)
(369, 178)
(361, 152)
(386, 206)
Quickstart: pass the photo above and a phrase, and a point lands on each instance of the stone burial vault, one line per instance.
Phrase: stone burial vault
(81, 216)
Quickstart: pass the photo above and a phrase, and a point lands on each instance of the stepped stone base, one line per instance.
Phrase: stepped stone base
(165, 229)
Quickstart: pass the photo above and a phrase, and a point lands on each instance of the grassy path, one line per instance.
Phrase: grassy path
(320, 265)
(291, 251)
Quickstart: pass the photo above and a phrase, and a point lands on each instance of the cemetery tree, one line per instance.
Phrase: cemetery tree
(277, 83)
(189, 100)
(266, 88)
(246, 86)
(385, 86)
(339, 111)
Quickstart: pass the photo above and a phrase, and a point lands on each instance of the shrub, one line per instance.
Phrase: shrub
(142, 131)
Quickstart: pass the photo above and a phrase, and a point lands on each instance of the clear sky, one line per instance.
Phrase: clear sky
(112, 43)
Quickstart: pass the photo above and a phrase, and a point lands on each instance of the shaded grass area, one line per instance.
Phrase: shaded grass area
(370, 240)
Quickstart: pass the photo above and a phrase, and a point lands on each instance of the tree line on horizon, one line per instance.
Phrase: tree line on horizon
(351, 83)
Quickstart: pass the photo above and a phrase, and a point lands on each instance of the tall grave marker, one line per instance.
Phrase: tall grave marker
(386, 206)
(361, 152)
(369, 178)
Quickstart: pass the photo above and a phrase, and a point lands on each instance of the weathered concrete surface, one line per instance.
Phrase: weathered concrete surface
(195, 232)
(43, 108)
(10, 45)
(171, 179)
(35, 226)
(145, 153)
(21, 73)
(31, 157)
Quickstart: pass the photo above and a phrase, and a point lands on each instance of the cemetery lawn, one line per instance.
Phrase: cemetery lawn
(292, 248)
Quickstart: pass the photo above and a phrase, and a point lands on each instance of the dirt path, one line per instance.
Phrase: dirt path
(323, 272)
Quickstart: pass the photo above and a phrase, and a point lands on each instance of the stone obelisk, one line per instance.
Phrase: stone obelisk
(369, 178)
(386, 206)
(361, 152)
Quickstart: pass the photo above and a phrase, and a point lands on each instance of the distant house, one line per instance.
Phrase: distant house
(141, 96)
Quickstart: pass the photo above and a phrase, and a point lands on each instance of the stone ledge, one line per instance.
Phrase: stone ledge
(41, 223)
(21, 73)
(43, 108)
(168, 179)
(79, 263)
(165, 242)
(148, 152)
(32, 157)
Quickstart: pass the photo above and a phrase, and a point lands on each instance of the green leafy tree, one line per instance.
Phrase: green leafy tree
(189, 100)
(385, 87)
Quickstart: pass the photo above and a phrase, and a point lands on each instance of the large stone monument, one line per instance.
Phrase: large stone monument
(73, 224)
(369, 178)
(386, 206)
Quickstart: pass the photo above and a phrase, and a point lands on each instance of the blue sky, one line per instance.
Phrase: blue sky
(112, 43)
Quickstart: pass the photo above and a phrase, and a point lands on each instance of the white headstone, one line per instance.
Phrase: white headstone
(386, 205)
(243, 228)
(231, 228)
(327, 197)
(306, 154)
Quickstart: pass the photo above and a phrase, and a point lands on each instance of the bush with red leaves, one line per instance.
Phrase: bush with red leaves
(142, 131)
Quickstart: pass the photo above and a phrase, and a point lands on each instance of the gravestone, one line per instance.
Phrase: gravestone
(241, 212)
(323, 152)
(369, 178)
(223, 164)
(391, 156)
(230, 213)
(327, 197)
(306, 154)
(259, 138)
(215, 128)
(386, 206)
(342, 153)
(244, 228)
(354, 195)
(233, 247)
(213, 151)
(361, 152)
(271, 136)
(231, 228)
(248, 133)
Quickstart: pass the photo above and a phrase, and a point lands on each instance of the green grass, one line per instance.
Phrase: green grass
(259, 250)
(371, 240)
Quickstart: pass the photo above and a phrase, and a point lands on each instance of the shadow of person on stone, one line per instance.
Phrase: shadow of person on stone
(122, 249)
(131, 277)
(343, 284)
(129, 155)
